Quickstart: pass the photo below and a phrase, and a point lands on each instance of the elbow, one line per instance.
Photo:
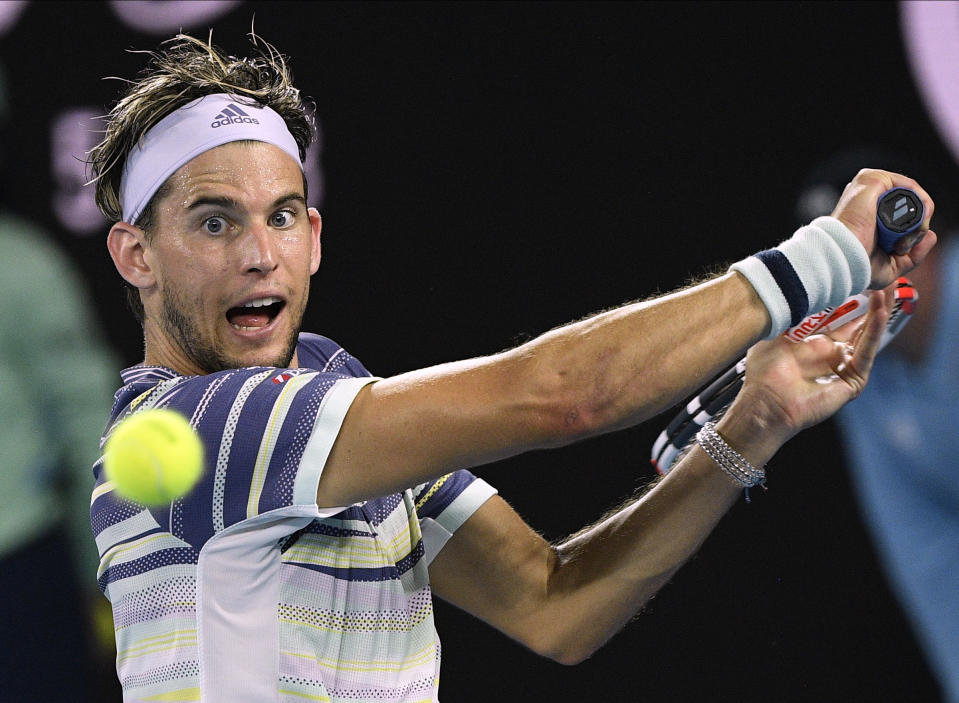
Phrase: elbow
(571, 657)
(564, 645)
(568, 651)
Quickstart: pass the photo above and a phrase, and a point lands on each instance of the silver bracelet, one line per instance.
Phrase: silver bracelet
(728, 459)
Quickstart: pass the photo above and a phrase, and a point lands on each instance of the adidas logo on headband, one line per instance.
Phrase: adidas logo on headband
(232, 114)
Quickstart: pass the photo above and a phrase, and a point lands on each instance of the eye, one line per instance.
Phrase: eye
(215, 225)
(281, 219)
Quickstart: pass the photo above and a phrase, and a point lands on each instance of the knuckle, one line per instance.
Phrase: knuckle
(856, 381)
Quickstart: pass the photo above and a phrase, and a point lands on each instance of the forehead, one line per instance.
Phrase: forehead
(246, 168)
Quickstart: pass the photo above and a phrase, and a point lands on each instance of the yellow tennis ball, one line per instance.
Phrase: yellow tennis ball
(153, 457)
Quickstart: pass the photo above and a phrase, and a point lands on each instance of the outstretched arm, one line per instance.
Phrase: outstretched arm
(604, 373)
(565, 602)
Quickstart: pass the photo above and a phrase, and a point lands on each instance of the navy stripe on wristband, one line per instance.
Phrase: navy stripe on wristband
(789, 283)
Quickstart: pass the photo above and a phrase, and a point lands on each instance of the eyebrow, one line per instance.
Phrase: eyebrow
(289, 197)
(229, 203)
(218, 201)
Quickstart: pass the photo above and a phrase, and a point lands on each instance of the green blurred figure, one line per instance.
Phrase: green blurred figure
(56, 381)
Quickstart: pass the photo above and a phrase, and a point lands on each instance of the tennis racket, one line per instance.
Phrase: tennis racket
(717, 396)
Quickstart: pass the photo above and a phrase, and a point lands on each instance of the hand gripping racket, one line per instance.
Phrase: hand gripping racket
(717, 396)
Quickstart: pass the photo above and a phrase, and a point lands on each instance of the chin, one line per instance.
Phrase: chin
(223, 357)
(256, 358)
(278, 356)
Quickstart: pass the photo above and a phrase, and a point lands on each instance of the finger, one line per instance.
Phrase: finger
(888, 301)
(848, 332)
(820, 356)
(907, 261)
(905, 243)
(856, 371)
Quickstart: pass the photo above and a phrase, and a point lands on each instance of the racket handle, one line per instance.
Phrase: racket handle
(899, 215)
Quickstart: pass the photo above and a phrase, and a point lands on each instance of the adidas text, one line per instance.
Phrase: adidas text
(224, 121)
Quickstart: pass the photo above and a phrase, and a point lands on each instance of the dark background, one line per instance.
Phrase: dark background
(493, 170)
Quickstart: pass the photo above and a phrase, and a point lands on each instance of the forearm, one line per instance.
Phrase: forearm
(603, 576)
(619, 368)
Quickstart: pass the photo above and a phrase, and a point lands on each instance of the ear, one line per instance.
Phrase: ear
(316, 222)
(127, 245)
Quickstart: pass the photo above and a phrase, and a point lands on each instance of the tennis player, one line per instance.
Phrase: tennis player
(335, 503)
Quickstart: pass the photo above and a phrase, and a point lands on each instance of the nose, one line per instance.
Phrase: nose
(259, 254)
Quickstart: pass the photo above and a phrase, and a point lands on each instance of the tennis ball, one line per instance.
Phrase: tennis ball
(153, 457)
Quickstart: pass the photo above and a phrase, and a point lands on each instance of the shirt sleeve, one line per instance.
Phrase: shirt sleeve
(266, 434)
(445, 504)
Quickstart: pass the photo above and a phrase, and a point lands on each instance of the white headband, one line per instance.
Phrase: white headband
(189, 131)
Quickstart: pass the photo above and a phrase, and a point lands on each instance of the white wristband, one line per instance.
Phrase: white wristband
(820, 266)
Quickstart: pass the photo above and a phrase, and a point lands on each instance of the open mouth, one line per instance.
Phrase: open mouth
(256, 314)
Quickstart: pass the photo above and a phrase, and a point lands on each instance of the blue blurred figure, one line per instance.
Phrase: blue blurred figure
(901, 436)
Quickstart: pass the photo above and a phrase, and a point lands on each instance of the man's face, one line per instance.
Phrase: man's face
(232, 253)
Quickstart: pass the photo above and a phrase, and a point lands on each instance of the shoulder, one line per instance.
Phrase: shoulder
(320, 353)
(148, 386)
(242, 402)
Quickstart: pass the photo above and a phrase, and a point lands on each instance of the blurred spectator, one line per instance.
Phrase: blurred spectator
(56, 383)
(901, 436)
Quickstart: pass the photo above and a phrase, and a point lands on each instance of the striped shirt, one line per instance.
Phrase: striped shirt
(245, 590)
